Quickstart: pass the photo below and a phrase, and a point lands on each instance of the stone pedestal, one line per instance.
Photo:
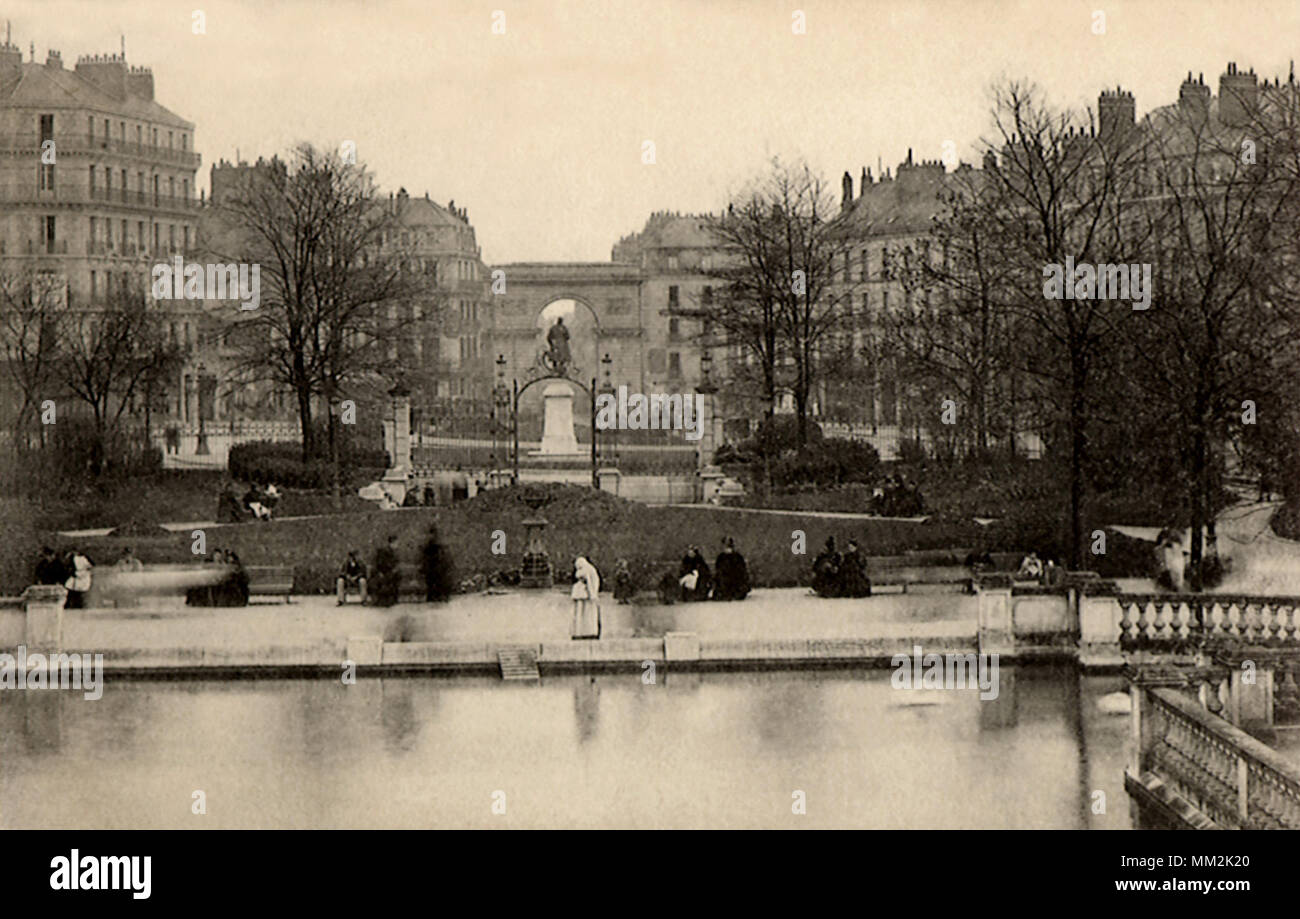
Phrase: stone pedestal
(536, 571)
(558, 438)
(710, 484)
(608, 478)
(996, 635)
(43, 604)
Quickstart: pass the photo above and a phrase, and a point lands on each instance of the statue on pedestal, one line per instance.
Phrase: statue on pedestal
(557, 356)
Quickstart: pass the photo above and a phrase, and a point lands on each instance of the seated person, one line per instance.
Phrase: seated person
(352, 575)
(853, 573)
(826, 570)
(1031, 568)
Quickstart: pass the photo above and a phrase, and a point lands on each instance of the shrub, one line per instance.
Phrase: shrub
(265, 462)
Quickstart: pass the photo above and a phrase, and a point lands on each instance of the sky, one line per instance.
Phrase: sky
(540, 131)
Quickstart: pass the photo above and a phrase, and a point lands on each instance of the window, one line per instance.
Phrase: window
(139, 234)
(171, 236)
(108, 182)
(123, 178)
(45, 177)
(94, 286)
(121, 130)
(47, 127)
(155, 237)
(122, 237)
(706, 296)
(672, 263)
(94, 232)
(90, 127)
(864, 268)
(674, 329)
(672, 297)
(674, 365)
(170, 145)
(138, 140)
(155, 191)
(185, 189)
(106, 131)
(92, 181)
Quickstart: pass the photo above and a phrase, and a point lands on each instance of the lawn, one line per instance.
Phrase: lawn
(581, 520)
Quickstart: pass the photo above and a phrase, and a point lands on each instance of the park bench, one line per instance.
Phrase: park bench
(270, 581)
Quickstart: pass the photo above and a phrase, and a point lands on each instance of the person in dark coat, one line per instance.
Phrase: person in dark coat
(438, 580)
(388, 577)
(853, 573)
(623, 586)
(233, 591)
(826, 570)
(49, 568)
(731, 576)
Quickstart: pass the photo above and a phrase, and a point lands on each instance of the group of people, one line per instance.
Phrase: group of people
(729, 579)
(70, 569)
(840, 574)
(230, 590)
(383, 580)
(896, 497)
(258, 503)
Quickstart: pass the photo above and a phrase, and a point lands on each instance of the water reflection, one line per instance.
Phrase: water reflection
(691, 749)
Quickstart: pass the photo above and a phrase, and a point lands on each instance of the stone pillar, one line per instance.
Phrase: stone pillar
(707, 444)
(1250, 687)
(399, 470)
(1095, 608)
(43, 604)
(996, 634)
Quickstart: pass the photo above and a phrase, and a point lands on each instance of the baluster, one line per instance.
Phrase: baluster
(1234, 620)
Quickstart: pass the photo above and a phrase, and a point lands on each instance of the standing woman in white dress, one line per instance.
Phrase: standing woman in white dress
(585, 594)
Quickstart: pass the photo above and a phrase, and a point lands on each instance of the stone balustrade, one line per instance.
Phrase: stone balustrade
(1231, 778)
(1174, 621)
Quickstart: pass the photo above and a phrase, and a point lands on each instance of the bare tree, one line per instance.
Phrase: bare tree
(107, 354)
(30, 304)
(338, 291)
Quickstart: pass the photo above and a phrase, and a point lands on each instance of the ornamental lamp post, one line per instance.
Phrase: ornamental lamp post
(202, 448)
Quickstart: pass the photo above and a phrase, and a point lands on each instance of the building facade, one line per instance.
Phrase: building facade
(97, 179)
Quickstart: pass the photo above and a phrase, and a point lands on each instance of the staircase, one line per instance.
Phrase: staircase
(518, 664)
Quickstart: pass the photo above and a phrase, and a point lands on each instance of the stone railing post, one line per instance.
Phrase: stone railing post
(1096, 611)
(43, 604)
(996, 632)
(1250, 686)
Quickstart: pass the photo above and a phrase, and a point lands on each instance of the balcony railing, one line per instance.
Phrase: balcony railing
(47, 247)
(92, 143)
(117, 196)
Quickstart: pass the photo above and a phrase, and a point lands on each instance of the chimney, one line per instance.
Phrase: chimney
(53, 59)
(139, 83)
(105, 71)
(1116, 112)
(11, 59)
(864, 182)
(1237, 96)
(1194, 98)
(846, 186)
